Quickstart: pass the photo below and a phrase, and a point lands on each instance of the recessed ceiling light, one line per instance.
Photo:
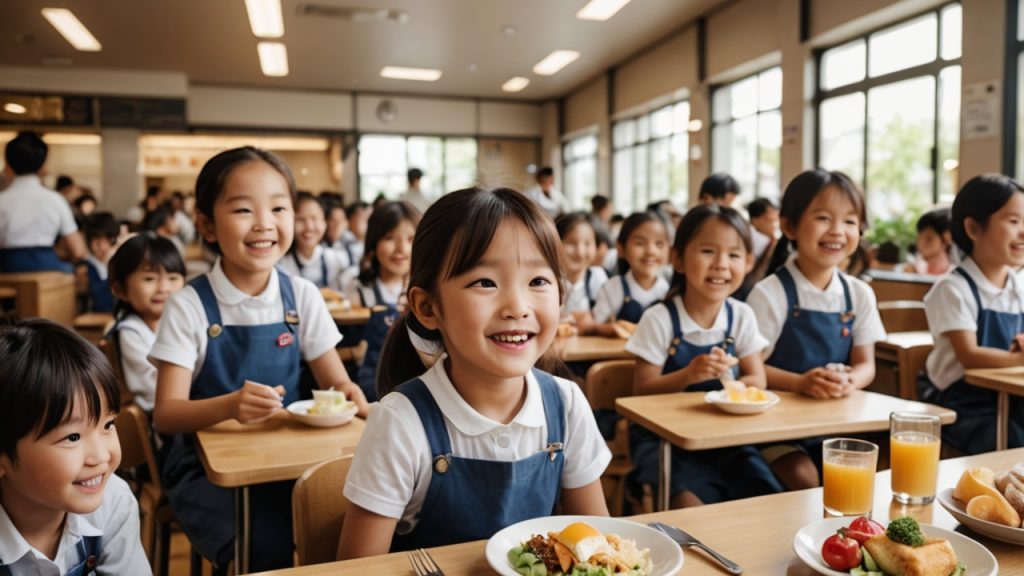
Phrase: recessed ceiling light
(420, 74)
(265, 18)
(600, 9)
(273, 58)
(72, 29)
(515, 84)
(15, 108)
(555, 61)
(508, 30)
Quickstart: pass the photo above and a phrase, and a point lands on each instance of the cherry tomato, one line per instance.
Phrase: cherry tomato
(840, 552)
(863, 529)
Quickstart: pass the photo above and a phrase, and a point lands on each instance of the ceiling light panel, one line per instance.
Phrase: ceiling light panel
(265, 18)
(515, 84)
(600, 9)
(555, 61)
(419, 74)
(273, 58)
(72, 29)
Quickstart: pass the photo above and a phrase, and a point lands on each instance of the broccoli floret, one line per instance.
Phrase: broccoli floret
(905, 530)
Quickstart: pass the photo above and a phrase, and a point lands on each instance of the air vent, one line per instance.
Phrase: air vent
(357, 15)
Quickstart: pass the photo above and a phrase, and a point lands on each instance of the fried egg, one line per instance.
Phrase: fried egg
(584, 541)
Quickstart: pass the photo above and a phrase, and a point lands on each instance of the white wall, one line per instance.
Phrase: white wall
(289, 109)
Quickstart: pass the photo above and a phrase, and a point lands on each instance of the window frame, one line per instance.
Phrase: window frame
(567, 143)
(406, 136)
(649, 144)
(1012, 140)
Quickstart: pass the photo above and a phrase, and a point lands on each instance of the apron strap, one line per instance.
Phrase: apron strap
(377, 294)
(89, 547)
(430, 416)
(323, 267)
(626, 296)
(201, 284)
(287, 297)
(554, 408)
(792, 301)
(973, 286)
(586, 287)
(846, 293)
(673, 314)
(728, 321)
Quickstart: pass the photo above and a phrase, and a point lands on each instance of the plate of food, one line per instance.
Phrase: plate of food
(989, 503)
(865, 548)
(327, 409)
(735, 397)
(582, 545)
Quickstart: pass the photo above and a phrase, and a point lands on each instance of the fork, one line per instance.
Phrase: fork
(685, 540)
(423, 564)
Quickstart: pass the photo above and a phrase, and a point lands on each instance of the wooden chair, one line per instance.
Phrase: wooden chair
(903, 315)
(137, 451)
(109, 349)
(605, 382)
(48, 295)
(318, 509)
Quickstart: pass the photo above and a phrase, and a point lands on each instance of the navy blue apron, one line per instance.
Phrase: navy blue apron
(32, 259)
(472, 499)
(268, 354)
(586, 288)
(631, 310)
(88, 554)
(322, 282)
(713, 475)
(812, 339)
(975, 428)
(101, 299)
(382, 316)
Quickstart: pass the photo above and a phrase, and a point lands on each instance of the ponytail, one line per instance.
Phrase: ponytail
(400, 358)
(779, 256)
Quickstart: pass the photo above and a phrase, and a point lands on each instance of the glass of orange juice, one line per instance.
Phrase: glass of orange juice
(849, 476)
(914, 443)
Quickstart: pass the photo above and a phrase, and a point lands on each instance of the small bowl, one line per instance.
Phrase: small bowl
(720, 399)
(300, 411)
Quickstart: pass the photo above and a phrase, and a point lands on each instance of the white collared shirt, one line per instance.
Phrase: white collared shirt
(336, 262)
(576, 300)
(609, 299)
(100, 267)
(418, 199)
(33, 215)
(392, 466)
(768, 300)
(553, 204)
(950, 307)
(653, 336)
(181, 336)
(362, 295)
(116, 521)
(135, 339)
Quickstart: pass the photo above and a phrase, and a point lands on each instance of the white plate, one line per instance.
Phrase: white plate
(807, 545)
(666, 555)
(993, 530)
(720, 399)
(300, 411)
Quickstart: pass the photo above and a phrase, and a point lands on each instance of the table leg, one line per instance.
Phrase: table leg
(1002, 421)
(243, 530)
(665, 476)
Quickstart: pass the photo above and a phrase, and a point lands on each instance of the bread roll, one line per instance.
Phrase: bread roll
(1015, 497)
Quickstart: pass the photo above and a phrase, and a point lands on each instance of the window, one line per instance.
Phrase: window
(580, 159)
(888, 107)
(650, 158)
(746, 133)
(1018, 47)
(447, 164)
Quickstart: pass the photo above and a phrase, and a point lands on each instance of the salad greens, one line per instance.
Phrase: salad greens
(905, 530)
(528, 564)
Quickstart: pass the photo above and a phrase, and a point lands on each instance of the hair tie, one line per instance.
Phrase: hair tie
(422, 338)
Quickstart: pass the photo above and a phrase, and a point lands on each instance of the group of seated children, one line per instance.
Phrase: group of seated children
(480, 438)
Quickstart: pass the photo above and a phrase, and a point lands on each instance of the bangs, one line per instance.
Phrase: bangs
(163, 254)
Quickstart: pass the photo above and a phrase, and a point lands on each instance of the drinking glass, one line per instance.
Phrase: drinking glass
(849, 474)
(914, 444)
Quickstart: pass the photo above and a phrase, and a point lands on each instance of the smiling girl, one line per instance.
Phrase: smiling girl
(309, 258)
(578, 231)
(482, 440)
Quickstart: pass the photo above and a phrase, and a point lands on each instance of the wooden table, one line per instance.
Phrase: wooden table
(354, 315)
(281, 448)
(93, 325)
(592, 348)
(49, 295)
(683, 419)
(1004, 381)
(889, 285)
(756, 533)
(908, 351)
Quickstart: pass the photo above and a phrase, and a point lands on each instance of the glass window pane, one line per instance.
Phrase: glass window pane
(624, 134)
(949, 133)
(952, 31)
(843, 65)
(426, 153)
(841, 135)
(660, 169)
(1020, 115)
(744, 97)
(586, 146)
(900, 141)
(734, 150)
(643, 129)
(640, 196)
(1020, 20)
(903, 46)
(460, 158)
(382, 166)
(680, 117)
(769, 162)
(661, 122)
(622, 187)
(721, 104)
(769, 87)
(680, 169)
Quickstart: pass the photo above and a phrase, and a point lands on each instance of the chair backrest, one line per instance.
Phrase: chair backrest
(318, 509)
(136, 442)
(903, 315)
(108, 346)
(607, 381)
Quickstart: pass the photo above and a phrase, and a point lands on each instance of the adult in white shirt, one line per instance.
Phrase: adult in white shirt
(414, 195)
(545, 194)
(33, 217)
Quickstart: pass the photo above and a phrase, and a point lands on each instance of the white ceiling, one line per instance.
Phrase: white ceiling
(210, 41)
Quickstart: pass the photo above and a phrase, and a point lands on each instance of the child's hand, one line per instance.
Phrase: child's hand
(1018, 343)
(257, 402)
(624, 329)
(707, 367)
(355, 394)
(565, 330)
(822, 383)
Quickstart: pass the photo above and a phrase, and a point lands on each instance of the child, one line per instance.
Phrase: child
(381, 281)
(813, 315)
(308, 258)
(932, 247)
(62, 508)
(764, 223)
(481, 440)
(643, 250)
(976, 313)
(144, 272)
(231, 346)
(697, 336)
(337, 226)
(101, 232)
(719, 188)
(358, 214)
(578, 231)
(163, 223)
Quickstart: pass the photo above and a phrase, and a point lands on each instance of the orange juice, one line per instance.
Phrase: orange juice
(849, 488)
(915, 464)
